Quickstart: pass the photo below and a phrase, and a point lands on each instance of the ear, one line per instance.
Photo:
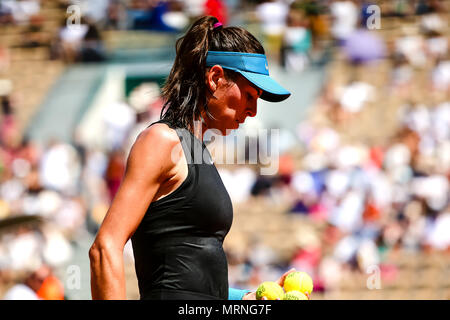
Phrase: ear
(214, 78)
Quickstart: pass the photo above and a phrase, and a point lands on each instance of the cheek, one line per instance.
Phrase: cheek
(235, 103)
(229, 108)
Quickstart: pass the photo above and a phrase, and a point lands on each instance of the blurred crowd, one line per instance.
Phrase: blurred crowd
(81, 22)
(367, 198)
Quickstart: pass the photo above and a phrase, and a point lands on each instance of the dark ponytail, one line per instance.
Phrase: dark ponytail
(184, 92)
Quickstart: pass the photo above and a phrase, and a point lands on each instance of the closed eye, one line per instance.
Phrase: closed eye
(258, 94)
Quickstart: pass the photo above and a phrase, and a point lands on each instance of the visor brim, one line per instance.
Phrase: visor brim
(272, 90)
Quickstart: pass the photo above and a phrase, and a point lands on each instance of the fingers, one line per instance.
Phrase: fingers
(290, 270)
(281, 280)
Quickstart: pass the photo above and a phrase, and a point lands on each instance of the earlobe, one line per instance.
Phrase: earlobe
(215, 74)
(210, 84)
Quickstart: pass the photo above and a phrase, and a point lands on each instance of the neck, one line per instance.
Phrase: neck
(200, 128)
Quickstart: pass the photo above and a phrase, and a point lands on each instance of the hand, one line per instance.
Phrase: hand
(249, 296)
(252, 296)
(280, 281)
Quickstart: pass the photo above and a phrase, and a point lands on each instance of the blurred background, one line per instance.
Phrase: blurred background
(361, 197)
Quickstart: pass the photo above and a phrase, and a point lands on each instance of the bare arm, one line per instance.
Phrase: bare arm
(148, 166)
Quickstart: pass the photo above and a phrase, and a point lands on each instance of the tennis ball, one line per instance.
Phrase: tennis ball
(269, 289)
(295, 295)
(298, 281)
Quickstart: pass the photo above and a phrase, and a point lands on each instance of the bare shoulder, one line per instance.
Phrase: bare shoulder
(153, 150)
(158, 134)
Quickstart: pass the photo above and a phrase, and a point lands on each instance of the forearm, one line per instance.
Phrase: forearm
(107, 274)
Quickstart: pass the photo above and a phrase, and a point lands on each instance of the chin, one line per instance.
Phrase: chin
(226, 131)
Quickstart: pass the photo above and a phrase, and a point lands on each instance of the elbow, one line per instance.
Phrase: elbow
(94, 252)
(99, 248)
(106, 267)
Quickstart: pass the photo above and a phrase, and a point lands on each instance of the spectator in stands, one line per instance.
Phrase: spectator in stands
(115, 171)
(51, 289)
(91, 48)
(152, 15)
(272, 15)
(33, 35)
(40, 284)
(115, 15)
(59, 168)
(345, 16)
(30, 286)
(175, 17)
(8, 125)
(296, 41)
(6, 17)
(218, 9)
(21, 11)
(5, 59)
(69, 40)
(118, 121)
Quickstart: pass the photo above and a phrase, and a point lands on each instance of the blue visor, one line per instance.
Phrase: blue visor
(253, 67)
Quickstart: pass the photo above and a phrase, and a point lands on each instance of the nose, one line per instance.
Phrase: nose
(252, 109)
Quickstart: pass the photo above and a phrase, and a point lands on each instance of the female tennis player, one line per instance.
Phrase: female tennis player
(177, 211)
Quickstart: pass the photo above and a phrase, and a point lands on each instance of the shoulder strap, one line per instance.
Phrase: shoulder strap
(192, 147)
(186, 138)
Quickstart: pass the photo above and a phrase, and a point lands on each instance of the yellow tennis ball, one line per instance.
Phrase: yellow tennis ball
(295, 295)
(269, 289)
(298, 281)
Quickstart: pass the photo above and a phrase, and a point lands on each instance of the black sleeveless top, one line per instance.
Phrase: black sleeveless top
(178, 245)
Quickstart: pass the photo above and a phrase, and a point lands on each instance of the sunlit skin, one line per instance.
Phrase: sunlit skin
(230, 102)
